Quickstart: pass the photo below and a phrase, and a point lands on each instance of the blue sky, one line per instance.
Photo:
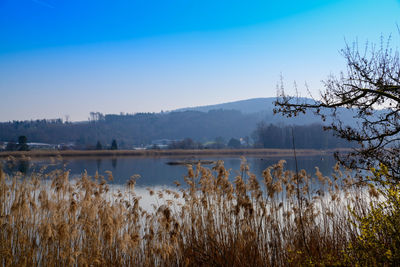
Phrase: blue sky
(61, 58)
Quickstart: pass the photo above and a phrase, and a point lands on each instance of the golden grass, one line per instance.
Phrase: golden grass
(283, 219)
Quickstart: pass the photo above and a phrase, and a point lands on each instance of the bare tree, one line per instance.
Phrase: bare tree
(371, 87)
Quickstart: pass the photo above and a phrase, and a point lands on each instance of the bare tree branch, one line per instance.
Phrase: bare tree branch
(371, 87)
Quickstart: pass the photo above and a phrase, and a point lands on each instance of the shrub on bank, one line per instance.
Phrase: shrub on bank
(378, 228)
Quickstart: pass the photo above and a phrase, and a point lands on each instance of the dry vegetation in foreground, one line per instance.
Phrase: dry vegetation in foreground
(283, 220)
(268, 152)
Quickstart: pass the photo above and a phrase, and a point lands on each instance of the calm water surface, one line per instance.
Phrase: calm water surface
(156, 171)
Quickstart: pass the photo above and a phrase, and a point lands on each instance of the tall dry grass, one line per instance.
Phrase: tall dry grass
(283, 219)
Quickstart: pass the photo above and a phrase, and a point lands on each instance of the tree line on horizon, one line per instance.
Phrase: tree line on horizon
(190, 129)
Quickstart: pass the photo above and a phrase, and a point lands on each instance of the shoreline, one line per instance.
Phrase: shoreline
(265, 152)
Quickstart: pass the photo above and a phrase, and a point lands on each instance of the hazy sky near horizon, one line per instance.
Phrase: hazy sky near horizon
(72, 57)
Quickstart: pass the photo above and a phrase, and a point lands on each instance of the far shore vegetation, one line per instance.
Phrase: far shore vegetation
(225, 129)
(170, 153)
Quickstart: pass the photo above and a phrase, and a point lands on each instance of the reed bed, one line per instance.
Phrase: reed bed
(282, 219)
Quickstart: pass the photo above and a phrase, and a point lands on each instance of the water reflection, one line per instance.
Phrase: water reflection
(114, 163)
(23, 166)
(98, 163)
(13, 166)
(155, 171)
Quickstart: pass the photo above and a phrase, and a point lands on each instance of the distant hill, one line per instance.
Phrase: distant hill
(253, 105)
(263, 108)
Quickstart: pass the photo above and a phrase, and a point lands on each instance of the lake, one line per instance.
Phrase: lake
(156, 172)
